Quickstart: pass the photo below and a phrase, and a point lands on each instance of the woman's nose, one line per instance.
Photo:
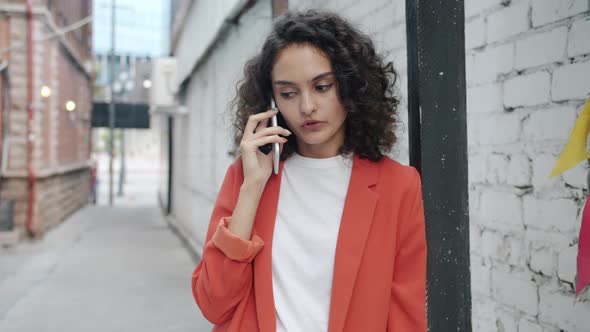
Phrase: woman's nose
(308, 104)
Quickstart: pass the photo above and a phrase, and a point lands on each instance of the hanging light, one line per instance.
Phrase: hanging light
(45, 91)
(147, 84)
(70, 106)
(117, 87)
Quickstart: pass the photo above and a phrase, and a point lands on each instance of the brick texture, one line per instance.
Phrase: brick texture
(548, 11)
(533, 51)
(578, 41)
(537, 52)
(508, 22)
(527, 90)
(571, 81)
(58, 142)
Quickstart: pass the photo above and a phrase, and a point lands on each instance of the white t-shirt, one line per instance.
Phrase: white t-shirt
(310, 207)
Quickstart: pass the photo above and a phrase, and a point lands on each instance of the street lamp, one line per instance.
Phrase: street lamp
(121, 87)
(147, 84)
(70, 106)
(45, 91)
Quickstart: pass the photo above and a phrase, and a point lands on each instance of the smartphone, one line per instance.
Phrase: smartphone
(276, 154)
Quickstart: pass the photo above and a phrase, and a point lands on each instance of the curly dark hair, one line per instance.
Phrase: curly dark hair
(365, 82)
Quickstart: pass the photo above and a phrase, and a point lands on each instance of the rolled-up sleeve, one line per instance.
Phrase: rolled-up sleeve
(224, 276)
(233, 246)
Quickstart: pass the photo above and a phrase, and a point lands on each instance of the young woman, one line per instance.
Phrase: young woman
(336, 240)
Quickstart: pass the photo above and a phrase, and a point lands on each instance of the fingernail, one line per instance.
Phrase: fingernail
(288, 132)
(284, 140)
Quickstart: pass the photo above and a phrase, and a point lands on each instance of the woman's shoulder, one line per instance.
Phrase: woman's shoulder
(402, 176)
(395, 168)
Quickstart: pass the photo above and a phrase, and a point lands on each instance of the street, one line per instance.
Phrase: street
(103, 269)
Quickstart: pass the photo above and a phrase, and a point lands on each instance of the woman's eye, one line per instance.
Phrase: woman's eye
(287, 95)
(323, 87)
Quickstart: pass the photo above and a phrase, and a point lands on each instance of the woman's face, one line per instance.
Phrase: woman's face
(306, 94)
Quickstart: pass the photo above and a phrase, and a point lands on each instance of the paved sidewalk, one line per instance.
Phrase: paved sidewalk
(104, 269)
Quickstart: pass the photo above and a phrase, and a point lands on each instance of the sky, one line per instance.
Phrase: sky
(142, 27)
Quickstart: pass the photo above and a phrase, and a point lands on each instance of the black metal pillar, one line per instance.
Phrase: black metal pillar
(413, 90)
(438, 148)
(170, 142)
(112, 102)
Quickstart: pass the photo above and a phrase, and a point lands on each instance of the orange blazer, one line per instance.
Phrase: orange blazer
(379, 281)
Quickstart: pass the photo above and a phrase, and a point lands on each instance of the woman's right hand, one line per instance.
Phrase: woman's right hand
(257, 165)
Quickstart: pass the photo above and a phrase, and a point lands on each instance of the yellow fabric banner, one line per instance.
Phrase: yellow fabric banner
(575, 151)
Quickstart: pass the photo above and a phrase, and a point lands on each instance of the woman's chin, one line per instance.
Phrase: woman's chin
(313, 141)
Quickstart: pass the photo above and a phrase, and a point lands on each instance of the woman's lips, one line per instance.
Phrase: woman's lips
(313, 125)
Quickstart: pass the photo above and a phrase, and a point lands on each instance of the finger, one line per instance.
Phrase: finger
(254, 119)
(271, 131)
(268, 139)
(261, 125)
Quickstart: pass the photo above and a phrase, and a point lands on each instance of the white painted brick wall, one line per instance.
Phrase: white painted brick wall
(519, 170)
(391, 39)
(533, 60)
(537, 239)
(551, 215)
(567, 264)
(571, 81)
(508, 22)
(380, 18)
(481, 279)
(492, 246)
(475, 33)
(582, 317)
(515, 291)
(507, 321)
(502, 249)
(548, 124)
(485, 98)
(487, 65)
(527, 90)
(548, 11)
(497, 166)
(511, 168)
(542, 165)
(556, 308)
(542, 261)
(484, 315)
(527, 73)
(474, 7)
(477, 172)
(576, 177)
(501, 211)
(534, 51)
(495, 129)
(579, 38)
(526, 325)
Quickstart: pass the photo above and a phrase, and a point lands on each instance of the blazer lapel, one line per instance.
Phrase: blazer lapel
(357, 217)
(264, 227)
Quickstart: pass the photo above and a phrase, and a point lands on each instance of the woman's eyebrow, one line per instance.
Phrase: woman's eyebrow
(316, 78)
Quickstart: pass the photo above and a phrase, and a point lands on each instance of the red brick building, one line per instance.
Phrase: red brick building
(45, 146)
